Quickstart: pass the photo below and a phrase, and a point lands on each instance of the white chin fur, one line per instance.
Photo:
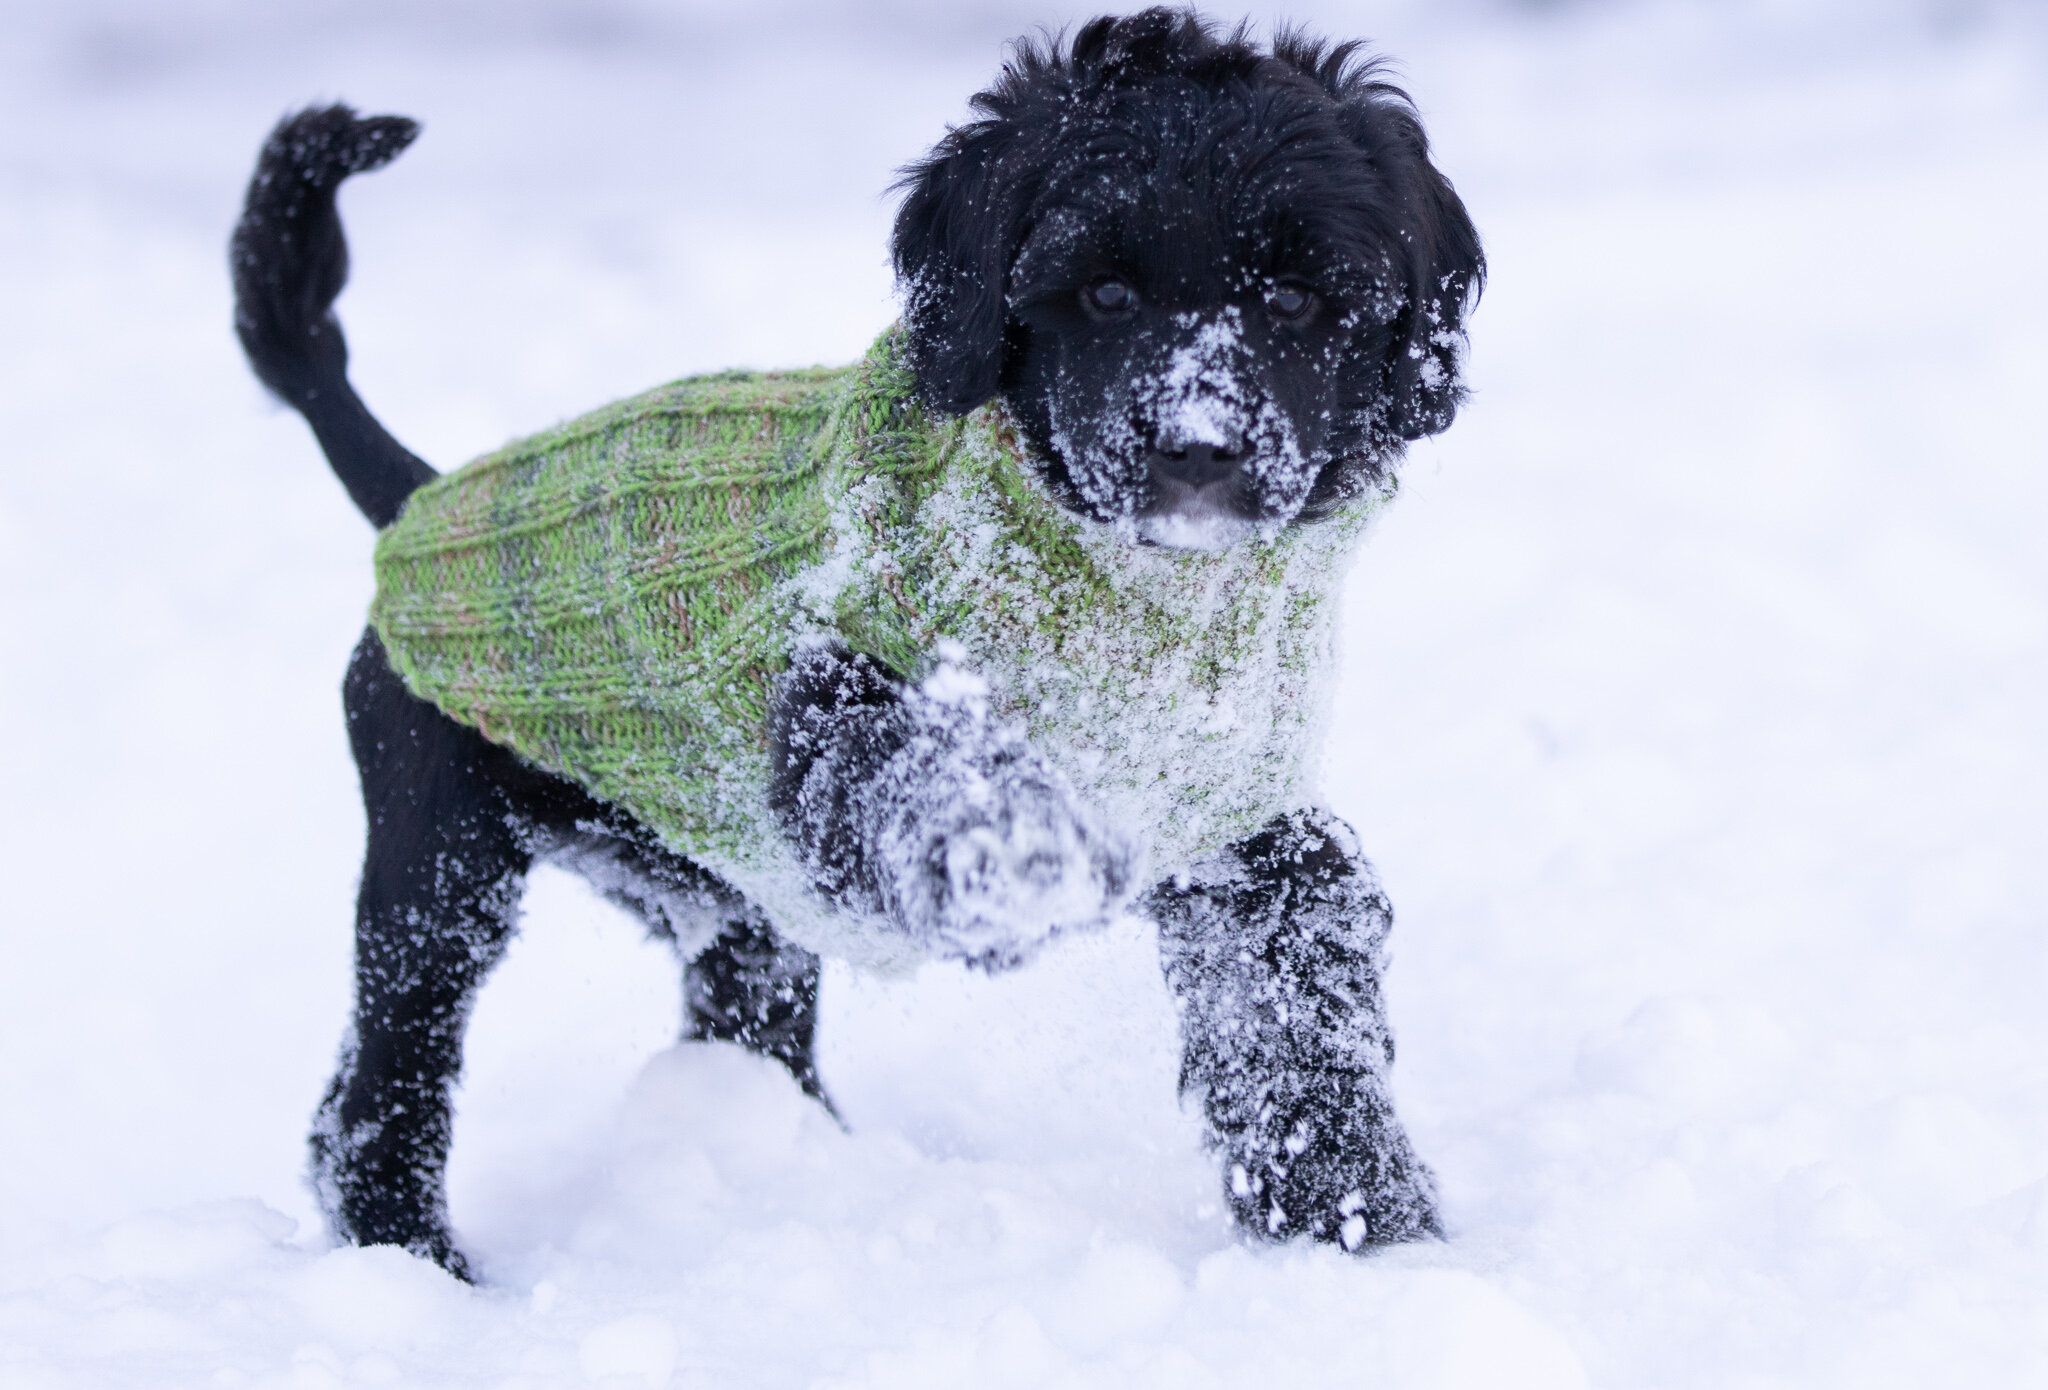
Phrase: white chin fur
(1203, 530)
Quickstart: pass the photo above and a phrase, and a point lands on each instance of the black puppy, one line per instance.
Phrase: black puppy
(1218, 289)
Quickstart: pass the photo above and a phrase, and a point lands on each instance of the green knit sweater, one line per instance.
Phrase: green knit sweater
(614, 598)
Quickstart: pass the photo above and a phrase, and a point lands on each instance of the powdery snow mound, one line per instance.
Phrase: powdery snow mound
(784, 1253)
(1691, 712)
(725, 1231)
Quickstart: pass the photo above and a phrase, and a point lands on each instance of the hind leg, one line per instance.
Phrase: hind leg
(751, 988)
(380, 1139)
(445, 867)
(742, 983)
(455, 823)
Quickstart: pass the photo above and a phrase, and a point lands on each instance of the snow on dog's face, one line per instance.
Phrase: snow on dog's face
(1218, 288)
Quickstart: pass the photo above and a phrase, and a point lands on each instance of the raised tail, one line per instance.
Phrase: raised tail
(289, 261)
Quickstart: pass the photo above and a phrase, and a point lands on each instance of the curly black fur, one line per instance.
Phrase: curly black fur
(289, 261)
(1201, 171)
(1150, 195)
(1273, 955)
(455, 824)
(836, 723)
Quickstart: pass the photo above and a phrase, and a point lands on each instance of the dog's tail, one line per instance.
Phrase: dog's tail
(289, 261)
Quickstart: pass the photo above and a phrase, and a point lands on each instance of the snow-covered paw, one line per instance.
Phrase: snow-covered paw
(1350, 1180)
(986, 853)
(1015, 863)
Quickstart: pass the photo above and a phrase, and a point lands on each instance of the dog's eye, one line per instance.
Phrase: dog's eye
(1110, 296)
(1289, 302)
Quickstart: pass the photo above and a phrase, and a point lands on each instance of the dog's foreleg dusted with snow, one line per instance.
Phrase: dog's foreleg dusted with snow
(942, 655)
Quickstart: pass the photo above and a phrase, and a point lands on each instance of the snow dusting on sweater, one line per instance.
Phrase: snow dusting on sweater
(616, 598)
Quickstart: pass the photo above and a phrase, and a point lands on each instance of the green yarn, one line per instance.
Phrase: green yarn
(614, 598)
(603, 596)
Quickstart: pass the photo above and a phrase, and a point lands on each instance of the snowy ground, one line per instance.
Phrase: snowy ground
(1694, 716)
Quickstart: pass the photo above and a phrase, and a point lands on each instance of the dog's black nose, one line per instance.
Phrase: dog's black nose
(1197, 464)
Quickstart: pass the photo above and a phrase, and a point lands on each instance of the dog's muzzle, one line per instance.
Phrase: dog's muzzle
(1201, 495)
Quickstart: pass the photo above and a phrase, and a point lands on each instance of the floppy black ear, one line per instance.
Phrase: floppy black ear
(957, 233)
(1444, 273)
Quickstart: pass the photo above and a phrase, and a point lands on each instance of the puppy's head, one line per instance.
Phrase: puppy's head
(1218, 287)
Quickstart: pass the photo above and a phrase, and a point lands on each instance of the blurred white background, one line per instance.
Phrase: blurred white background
(1692, 713)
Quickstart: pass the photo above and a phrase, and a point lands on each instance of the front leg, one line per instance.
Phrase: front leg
(910, 803)
(1273, 956)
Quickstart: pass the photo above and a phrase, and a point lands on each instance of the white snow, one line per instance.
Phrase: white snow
(1202, 395)
(1026, 860)
(1202, 399)
(1692, 714)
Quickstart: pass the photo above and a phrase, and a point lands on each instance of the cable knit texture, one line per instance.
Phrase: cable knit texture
(614, 599)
